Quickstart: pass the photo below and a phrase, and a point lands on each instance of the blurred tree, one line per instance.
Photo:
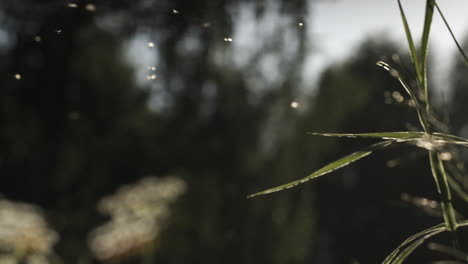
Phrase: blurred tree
(73, 120)
(76, 124)
(224, 148)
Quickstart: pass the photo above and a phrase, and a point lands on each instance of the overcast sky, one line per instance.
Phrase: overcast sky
(341, 24)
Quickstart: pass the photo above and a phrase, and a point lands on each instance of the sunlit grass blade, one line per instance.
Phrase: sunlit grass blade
(410, 244)
(405, 253)
(409, 37)
(463, 223)
(411, 240)
(427, 27)
(391, 257)
(340, 163)
(408, 250)
(460, 49)
(421, 116)
(399, 136)
(396, 74)
(425, 46)
(450, 139)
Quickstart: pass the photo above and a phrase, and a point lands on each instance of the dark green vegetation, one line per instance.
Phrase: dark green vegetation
(77, 125)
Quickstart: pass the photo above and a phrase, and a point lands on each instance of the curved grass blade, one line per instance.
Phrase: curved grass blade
(408, 250)
(401, 136)
(411, 240)
(451, 33)
(424, 48)
(400, 254)
(422, 118)
(340, 163)
(398, 136)
(405, 253)
(409, 37)
(391, 257)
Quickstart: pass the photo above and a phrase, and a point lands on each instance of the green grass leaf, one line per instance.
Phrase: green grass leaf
(402, 136)
(421, 115)
(413, 242)
(450, 139)
(425, 46)
(409, 37)
(405, 253)
(447, 206)
(340, 163)
(463, 223)
(451, 33)
(427, 27)
(398, 136)
(410, 244)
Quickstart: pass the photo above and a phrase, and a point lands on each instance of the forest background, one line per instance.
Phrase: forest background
(96, 96)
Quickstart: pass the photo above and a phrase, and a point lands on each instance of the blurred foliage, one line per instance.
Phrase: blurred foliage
(459, 93)
(78, 126)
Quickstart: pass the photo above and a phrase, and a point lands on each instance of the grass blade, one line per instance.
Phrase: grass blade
(398, 136)
(391, 257)
(450, 139)
(422, 118)
(402, 136)
(462, 223)
(409, 37)
(427, 27)
(447, 206)
(441, 181)
(408, 250)
(414, 239)
(340, 163)
(451, 33)
(424, 48)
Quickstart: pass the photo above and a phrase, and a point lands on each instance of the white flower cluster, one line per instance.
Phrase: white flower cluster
(137, 213)
(24, 232)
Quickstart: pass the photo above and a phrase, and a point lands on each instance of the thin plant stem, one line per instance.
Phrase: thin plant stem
(460, 49)
(421, 116)
(443, 188)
